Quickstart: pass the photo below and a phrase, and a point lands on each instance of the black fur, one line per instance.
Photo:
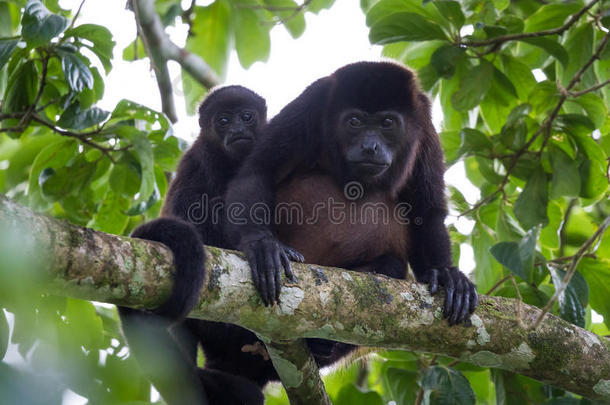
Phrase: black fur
(308, 138)
(192, 216)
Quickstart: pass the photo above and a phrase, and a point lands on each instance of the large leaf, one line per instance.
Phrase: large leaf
(350, 395)
(597, 274)
(579, 45)
(402, 384)
(21, 89)
(295, 24)
(75, 118)
(473, 87)
(404, 27)
(252, 41)
(573, 300)
(446, 386)
(551, 46)
(100, 37)
(6, 49)
(530, 207)
(40, 25)
(566, 175)
(518, 257)
(550, 16)
(77, 73)
(110, 216)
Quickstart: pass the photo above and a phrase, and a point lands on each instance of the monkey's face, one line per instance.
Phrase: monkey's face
(237, 130)
(369, 141)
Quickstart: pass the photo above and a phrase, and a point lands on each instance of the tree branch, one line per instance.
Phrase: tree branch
(512, 37)
(161, 49)
(358, 308)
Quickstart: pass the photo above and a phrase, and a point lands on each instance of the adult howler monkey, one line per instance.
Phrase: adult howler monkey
(231, 119)
(366, 123)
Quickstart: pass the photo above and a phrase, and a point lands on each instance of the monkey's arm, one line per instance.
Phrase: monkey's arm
(290, 139)
(430, 247)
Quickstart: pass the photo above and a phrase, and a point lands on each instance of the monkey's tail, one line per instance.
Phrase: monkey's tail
(186, 244)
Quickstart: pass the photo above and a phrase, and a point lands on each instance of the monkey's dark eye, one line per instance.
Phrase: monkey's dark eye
(223, 121)
(247, 116)
(354, 122)
(387, 123)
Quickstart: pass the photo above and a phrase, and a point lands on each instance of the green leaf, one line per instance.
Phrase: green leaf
(75, 118)
(594, 106)
(520, 76)
(566, 175)
(4, 333)
(100, 37)
(550, 46)
(573, 300)
(141, 147)
(452, 11)
(474, 142)
(295, 24)
(125, 176)
(134, 50)
(6, 49)
(402, 383)
(55, 155)
(597, 274)
(530, 207)
(110, 216)
(252, 41)
(445, 59)
(404, 26)
(543, 97)
(517, 257)
(77, 73)
(56, 184)
(592, 166)
(473, 87)
(126, 109)
(40, 25)
(22, 88)
(351, 395)
(211, 34)
(550, 16)
(579, 45)
(315, 6)
(549, 236)
(446, 386)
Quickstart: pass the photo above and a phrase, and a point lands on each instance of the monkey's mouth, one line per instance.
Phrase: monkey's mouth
(368, 164)
(240, 139)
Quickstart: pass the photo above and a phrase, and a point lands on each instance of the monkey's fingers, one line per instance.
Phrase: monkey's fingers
(278, 273)
(458, 297)
(474, 298)
(251, 256)
(288, 269)
(271, 271)
(464, 313)
(293, 255)
(449, 285)
(262, 271)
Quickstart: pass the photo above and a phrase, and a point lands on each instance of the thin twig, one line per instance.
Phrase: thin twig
(559, 289)
(589, 90)
(512, 37)
(498, 284)
(519, 301)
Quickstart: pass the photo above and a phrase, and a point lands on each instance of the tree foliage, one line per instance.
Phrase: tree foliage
(524, 88)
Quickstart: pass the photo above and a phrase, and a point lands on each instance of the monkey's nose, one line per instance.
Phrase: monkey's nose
(369, 148)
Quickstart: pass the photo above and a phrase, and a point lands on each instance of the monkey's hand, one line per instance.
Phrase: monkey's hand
(461, 295)
(267, 257)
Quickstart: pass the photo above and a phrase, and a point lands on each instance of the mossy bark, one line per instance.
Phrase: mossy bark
(329, 303)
